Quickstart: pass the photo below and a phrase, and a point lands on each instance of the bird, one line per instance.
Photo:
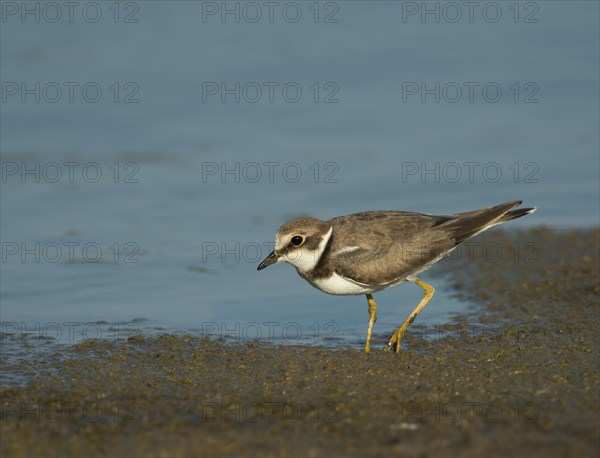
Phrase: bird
(366, 252)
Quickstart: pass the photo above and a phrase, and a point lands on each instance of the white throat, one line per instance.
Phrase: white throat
(305, 260)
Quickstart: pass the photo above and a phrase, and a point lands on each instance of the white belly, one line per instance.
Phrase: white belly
(342, 286)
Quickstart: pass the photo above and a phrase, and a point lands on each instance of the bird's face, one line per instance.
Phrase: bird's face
(299, 242)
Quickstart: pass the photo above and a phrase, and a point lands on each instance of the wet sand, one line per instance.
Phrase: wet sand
(517, 376)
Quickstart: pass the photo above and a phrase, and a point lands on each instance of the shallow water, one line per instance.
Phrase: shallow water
(161, 209)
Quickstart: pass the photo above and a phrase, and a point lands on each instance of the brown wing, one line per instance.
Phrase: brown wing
(391, 246)
(395, 244)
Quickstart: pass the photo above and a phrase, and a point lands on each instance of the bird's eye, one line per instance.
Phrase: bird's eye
(297, 240)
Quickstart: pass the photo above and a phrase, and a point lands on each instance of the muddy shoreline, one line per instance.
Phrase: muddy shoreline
(517, 376)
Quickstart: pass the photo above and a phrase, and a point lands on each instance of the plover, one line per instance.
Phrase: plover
(370, 251)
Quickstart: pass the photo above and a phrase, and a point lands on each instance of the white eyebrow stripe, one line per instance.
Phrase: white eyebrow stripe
(348, 249)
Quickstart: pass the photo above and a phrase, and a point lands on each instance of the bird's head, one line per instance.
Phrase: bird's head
(299, 242)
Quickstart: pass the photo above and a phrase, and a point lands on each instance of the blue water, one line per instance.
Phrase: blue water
(160, 208)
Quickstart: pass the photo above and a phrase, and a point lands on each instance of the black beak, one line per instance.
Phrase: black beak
(271, 259)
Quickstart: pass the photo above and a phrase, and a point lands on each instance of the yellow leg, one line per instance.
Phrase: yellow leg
(398, 333)
(372, 320)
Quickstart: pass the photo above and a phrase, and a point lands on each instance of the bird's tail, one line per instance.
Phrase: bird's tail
(514, 214)
(468, 224)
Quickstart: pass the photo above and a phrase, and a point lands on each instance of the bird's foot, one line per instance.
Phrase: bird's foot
(394, 343)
